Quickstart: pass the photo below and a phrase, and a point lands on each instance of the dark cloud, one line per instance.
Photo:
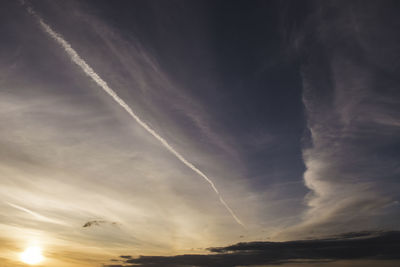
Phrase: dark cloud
(349, 246)
(126, 257)
(97, 223)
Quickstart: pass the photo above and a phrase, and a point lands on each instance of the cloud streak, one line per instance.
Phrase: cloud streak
(36, 215)
(74, 56)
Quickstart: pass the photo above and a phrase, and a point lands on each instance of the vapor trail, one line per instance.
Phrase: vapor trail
(36, 215)
(96, 78)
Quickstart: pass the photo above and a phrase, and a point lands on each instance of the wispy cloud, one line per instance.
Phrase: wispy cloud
(350, 106)
(37, 215)
(92, 74)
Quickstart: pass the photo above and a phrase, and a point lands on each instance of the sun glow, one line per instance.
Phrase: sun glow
(32, 255)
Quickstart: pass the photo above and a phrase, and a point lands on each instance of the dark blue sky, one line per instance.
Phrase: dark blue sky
(239, 62)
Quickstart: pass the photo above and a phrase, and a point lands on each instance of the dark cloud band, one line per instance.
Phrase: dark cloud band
(350, 246)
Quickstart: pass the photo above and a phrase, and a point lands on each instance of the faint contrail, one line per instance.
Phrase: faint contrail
(95, 77)
(36, 215)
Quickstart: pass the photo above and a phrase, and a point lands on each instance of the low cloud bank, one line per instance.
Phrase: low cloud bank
(350, 246)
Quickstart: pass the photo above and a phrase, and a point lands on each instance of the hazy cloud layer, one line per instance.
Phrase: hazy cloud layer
(69, 154)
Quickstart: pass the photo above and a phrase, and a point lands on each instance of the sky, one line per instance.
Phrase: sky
(200, 133)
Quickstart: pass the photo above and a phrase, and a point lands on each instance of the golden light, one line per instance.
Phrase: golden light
(32, 255)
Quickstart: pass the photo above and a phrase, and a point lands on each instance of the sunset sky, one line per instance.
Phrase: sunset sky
(199, 133)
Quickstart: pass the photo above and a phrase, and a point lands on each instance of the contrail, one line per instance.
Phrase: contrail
(97, 79)
(36, 215)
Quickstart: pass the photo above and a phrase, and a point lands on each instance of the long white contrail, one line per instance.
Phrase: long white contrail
(95, 77)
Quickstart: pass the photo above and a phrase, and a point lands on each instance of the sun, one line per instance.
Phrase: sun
(32, 255)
